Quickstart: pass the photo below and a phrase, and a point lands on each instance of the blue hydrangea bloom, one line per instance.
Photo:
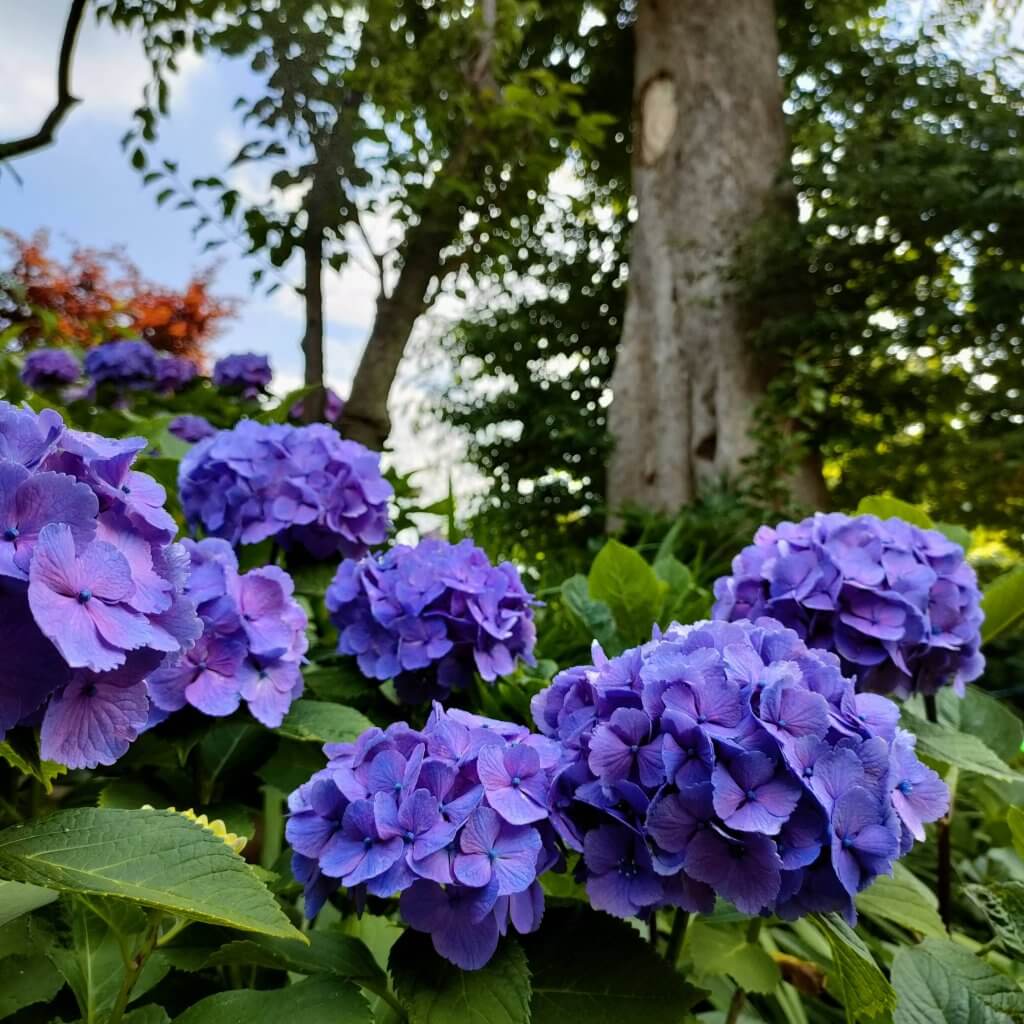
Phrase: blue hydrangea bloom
(123, 364)
(253, 643)
(191, 428)
(92, 587)
(303, 486)
(897, 603)
(48, 368)
(244, 373)
(729, 759)
(429, 616)
(454, 817)
(174, 373)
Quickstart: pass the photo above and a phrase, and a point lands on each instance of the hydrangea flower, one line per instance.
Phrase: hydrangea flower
(123, 364)
(245, 373)
(417, 813)
(302, 486)
(174, 373)
(896, 602)
(191, 428)
(334, 406)
(253, 643)
(729, 759)
(429, 616)
(92, 587)
(48, 368)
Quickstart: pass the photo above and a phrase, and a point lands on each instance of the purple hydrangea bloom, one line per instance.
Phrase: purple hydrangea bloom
(334, 406)
(407, 811)
(896, 602)
(191, 428)
(174, 373)
(124, 364)
(253, 643)
(303, 486)
(245, 373)
(48, 368)
(92, 587)
(429, 616)
(731, 759)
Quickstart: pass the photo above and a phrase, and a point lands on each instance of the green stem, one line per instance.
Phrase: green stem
(739, 997)
(135, 967)
(173, 932)
(273, 826)
(676, 936)
(384, 993)
(943, 845)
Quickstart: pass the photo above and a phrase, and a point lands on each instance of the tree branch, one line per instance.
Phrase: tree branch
(65, 101)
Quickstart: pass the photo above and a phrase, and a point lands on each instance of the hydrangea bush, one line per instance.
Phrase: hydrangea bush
(125, 365)
(46, 369)
(92, 587)
(253, 642)
(899, 604)
(302, 486)
(454, 817)
(430, 616)
(731, 760)
(246, 374)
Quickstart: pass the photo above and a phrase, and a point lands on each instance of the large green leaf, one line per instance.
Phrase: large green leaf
(156, 858)
(939, 982)
(320, 722)
(939, 742)
(904, 900)
(855, 980)
(433, 991)
(1003, 604)
(1015, 821)
(320, 1000)
(27, 979)
(1003, 904)
(630, 587)
(979, 714)
(595, 616)
(589, 967)
(887, 507)
(17, 898)
(716, 949)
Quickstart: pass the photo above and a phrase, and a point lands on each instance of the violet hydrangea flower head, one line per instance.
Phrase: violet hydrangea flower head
(253, 643)
(303, 486)
(244, 373)
(92, 587)
(174, 373)
(729, 759)
(430, 616)
(126, 365)
(46, 369)
(897, 603)
(191, 428)
(434, 816)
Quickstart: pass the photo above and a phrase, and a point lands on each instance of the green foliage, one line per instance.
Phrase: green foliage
(632, 590)
(904, 900)
(1003, 904)
(1003, 604)
(320, 1000)
(855, 977)
(321, 722)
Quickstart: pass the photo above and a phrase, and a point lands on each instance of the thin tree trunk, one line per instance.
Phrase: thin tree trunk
(709, 144)
(313, 339)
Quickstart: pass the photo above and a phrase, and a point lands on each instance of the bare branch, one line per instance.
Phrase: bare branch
(65, 101)
(482, 74)
(378, 258)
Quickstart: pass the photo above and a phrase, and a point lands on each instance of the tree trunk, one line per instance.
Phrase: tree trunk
(313, 293)
(709, 144)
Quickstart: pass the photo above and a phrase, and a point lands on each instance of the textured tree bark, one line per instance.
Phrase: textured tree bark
(313, 293)
(709, 144)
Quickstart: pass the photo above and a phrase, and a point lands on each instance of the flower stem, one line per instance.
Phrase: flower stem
(135, 966)
(739, 997)
(944, 851)
(273, 826)
(676, 936)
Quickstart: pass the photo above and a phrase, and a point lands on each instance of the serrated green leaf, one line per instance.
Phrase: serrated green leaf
(320, 722)
(595, 616)
(291, 765)
(22, 754)
(27, 979)
(338, 683)
(156, 858)
(904, 900)
(1003, 904)
(940, 743)
(887, 507)
(433, 991)
(855, 979)
(587, 966)
(983, 715)
(629, 586)
(17, 898)
(320, 1000)
(1003, 604)
(939, 982)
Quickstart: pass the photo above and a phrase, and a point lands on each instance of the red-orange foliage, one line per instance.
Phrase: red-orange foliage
(96, 296)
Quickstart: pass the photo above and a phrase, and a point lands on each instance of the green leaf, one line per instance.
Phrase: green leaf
(151, 1014)
(855, 980)
(886, 507)
(939, 981)
(629, 586)
(595, 616)
(983, 715)
(957, 534)
(434, 991)
(319, 722)
(320, 1000)
(129, 794)
(27, 979)
(156, 858)
(940, 743)
(326, 953)
(338, 683)
(291, 765)
(587, 966)
(1015, 820)
(16, 899)
(1003, 904)
(21, 751)
(1003, 604)
(904, 900)
(716, 949)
